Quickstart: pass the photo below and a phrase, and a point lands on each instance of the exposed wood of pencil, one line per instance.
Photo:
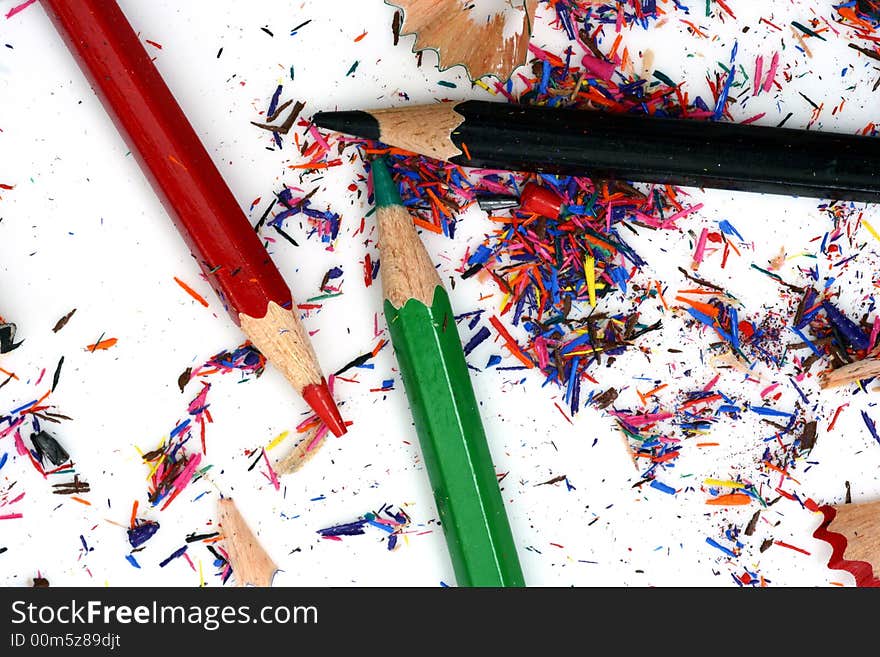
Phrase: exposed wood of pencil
(422, 129)
(281, 337)
(861, 369)
(304, 451)
(250, 562)
(407, 270)
(744, 157)
(461, 36)
(860, 525)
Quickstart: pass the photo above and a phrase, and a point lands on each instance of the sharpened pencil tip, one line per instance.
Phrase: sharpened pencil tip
(359, 124)
(384, 189)
(320, 399)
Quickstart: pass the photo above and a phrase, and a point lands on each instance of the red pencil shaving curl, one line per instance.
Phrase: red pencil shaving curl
(861, 570)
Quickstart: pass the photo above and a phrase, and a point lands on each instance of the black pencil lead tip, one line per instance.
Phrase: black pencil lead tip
(360, 124)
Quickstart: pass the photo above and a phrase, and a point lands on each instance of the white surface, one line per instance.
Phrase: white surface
(82, 229)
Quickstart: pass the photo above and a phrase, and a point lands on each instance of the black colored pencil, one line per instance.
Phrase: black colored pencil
(744, 157)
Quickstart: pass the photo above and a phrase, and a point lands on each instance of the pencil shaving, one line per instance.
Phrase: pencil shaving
(487, 37)
(853, 531)
(304, 451)
(858, 371)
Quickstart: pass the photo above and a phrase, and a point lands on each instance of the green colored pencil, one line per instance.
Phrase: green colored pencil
(441, 398)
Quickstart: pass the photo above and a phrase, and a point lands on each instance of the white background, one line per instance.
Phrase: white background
(82, 229)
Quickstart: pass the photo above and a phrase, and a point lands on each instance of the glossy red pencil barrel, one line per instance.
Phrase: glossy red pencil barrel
(193, 191)
(171, 155)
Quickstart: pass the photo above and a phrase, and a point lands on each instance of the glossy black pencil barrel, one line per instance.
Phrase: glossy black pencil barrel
(631, 147)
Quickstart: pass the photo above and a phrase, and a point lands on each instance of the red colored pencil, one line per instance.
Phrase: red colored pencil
(193, 192)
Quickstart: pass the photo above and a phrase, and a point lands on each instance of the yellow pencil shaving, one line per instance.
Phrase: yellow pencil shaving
(482, 84)
(870, 229)
(201, 575)
(155, 467)
(504, 300)
(277, 440)
(586, 352)
(590, 271)
(724, 483)
(799, 255)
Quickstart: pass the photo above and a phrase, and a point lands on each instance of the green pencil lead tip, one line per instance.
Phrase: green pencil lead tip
(383, 185)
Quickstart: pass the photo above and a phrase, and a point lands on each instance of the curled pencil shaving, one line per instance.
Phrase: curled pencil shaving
(250, 562)
(853, 532)
(487, 37)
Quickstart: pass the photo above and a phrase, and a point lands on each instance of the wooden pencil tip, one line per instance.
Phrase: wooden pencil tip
(250, 562)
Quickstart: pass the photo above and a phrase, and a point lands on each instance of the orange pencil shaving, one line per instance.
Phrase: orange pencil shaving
(731, 499)
(511, 344)
(191, 292)
(101, 345)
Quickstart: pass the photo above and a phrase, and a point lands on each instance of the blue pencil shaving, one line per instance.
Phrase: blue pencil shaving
(772, 412)
(847, 328)
(174, 555)
(718, 546)
(701, 317)
(727, 228)
(725, 91)
(355, 528)
(806, 341)
(179, 428)
(273, 104)
(18, 410)
(872, 427)
(142, 532)
(799, 391)
(387, 519)
(130, 558)
(476, 340)
(662, 487)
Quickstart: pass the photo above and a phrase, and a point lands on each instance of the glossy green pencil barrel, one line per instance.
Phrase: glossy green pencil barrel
(444, 408)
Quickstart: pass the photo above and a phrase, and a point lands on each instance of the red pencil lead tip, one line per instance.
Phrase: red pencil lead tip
(319, 397)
